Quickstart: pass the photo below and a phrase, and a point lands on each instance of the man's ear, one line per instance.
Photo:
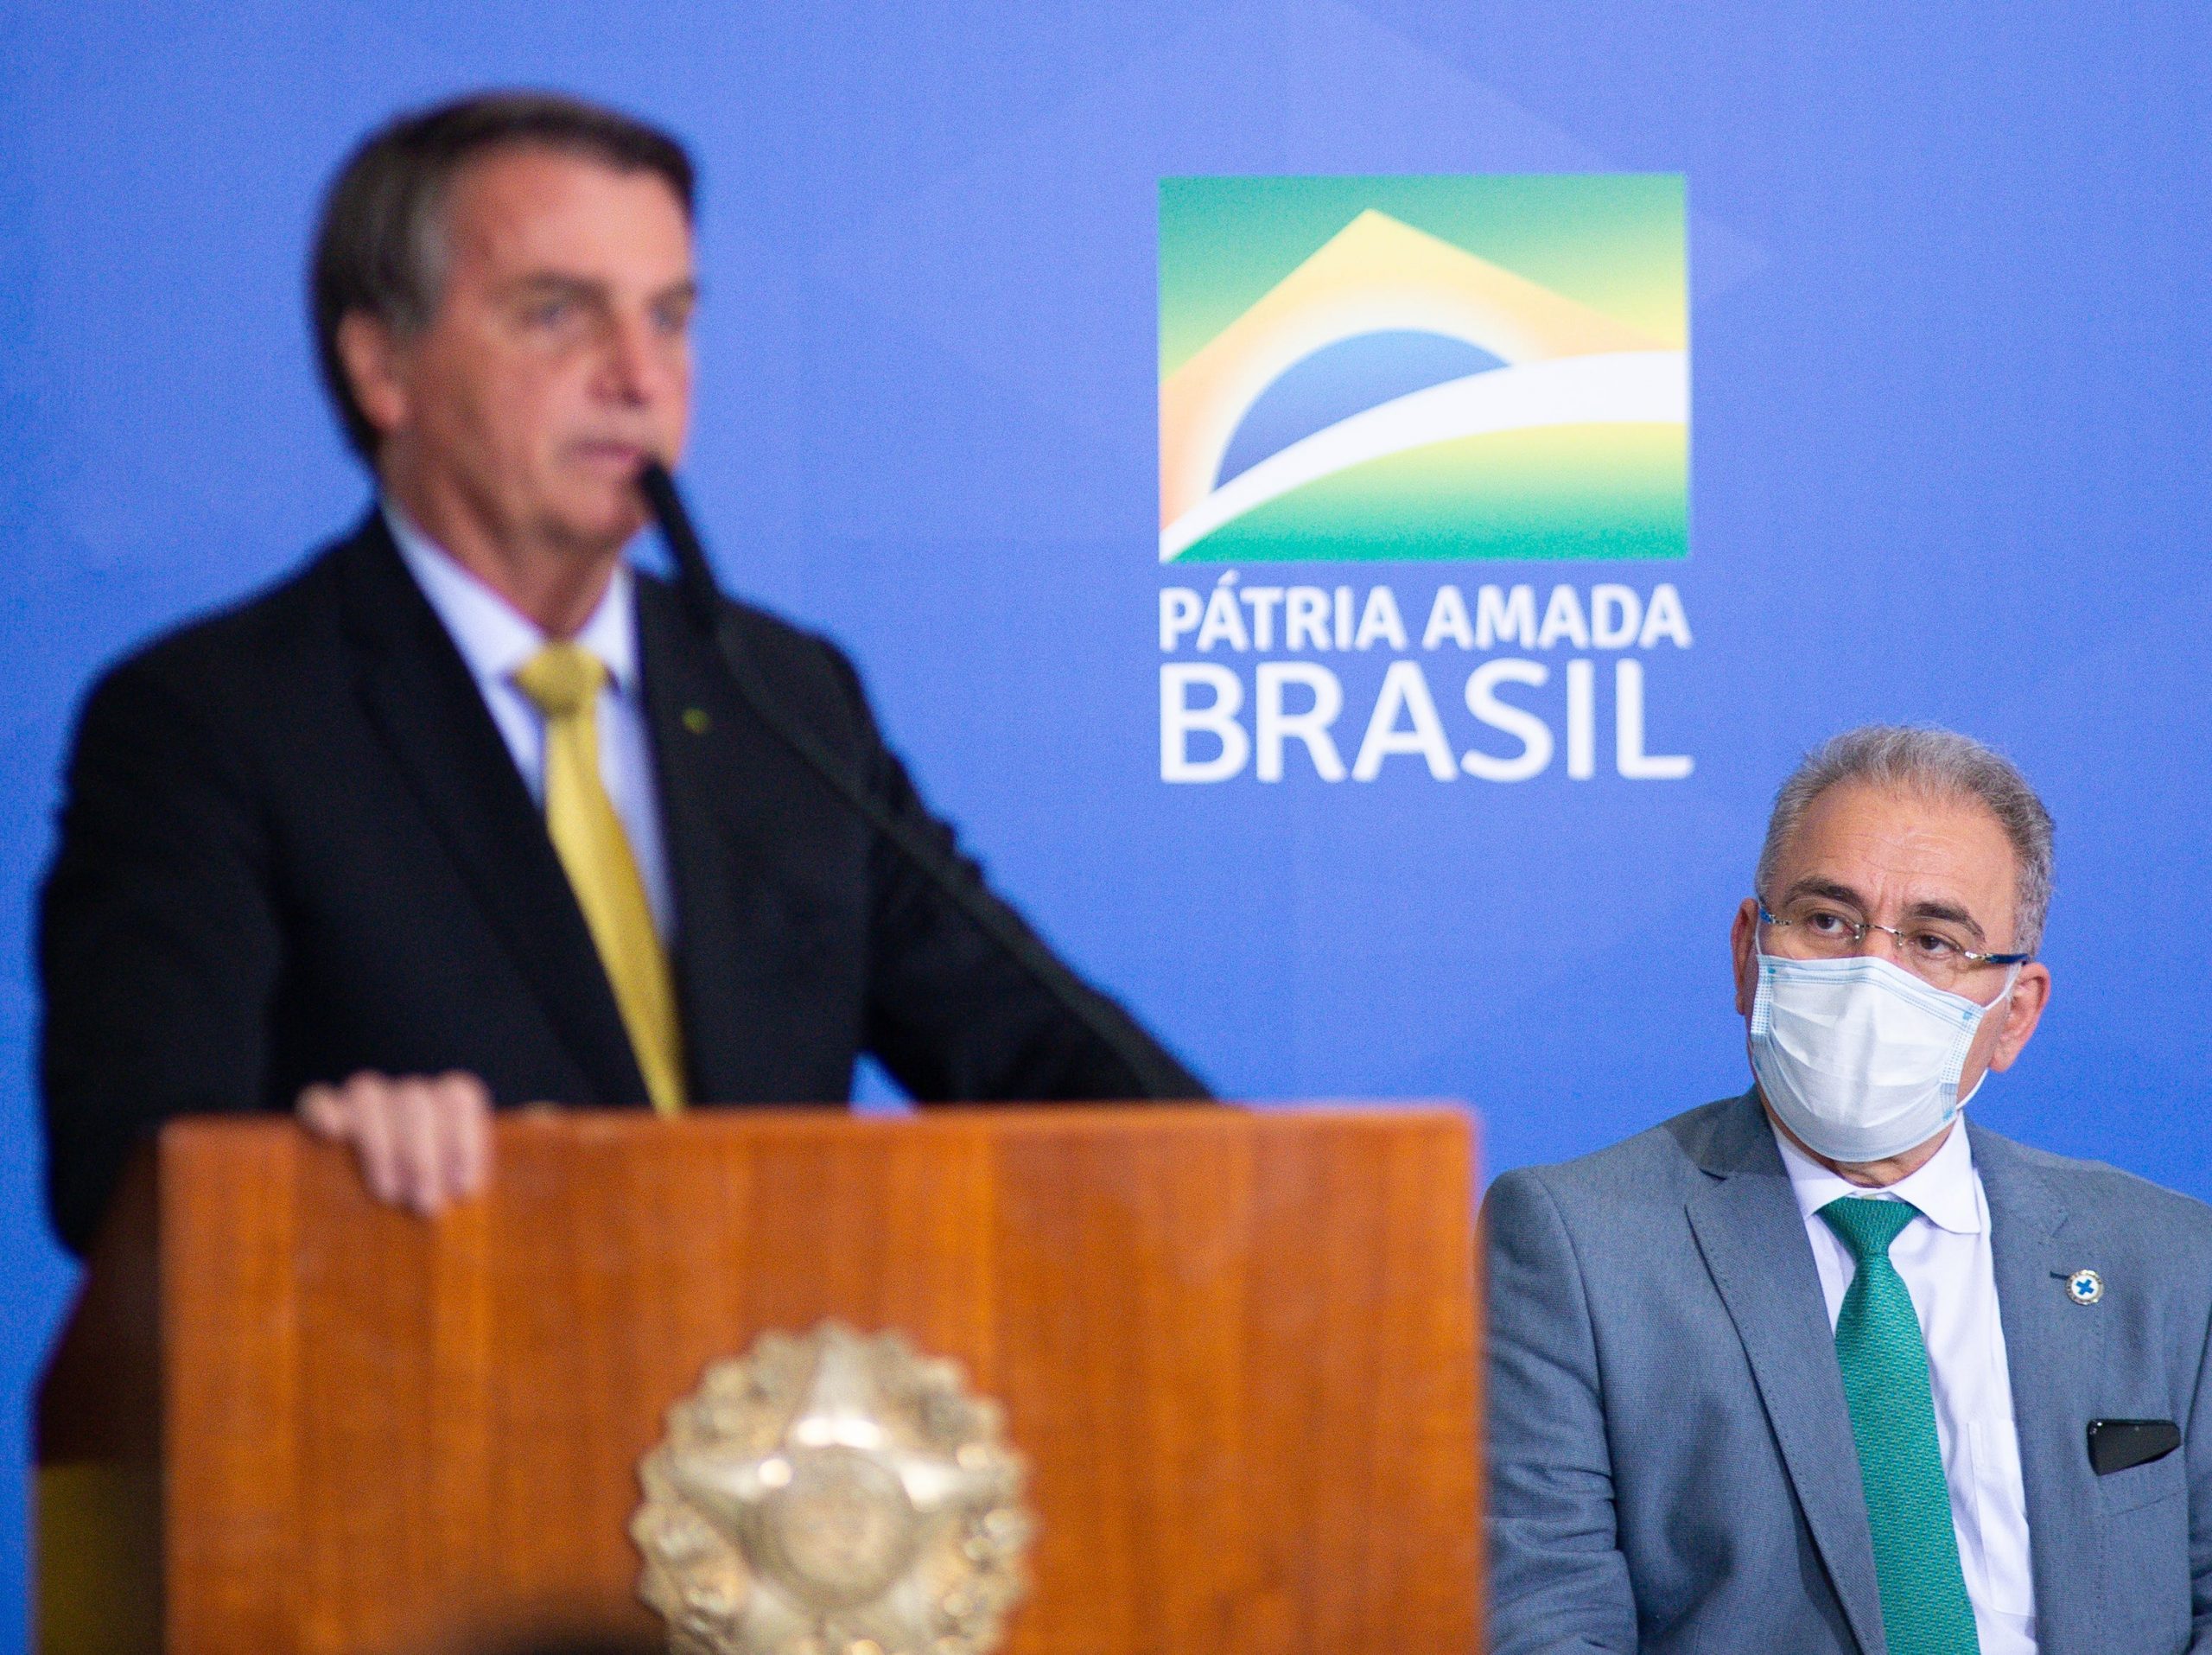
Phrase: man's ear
(2030, 994)
(1743, 945)
(374, 371)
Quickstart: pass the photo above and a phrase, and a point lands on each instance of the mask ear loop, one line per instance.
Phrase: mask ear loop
(2005, 995)
(2004, 999)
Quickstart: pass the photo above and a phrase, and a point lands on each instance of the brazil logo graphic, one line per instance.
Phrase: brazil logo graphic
(1488, 366)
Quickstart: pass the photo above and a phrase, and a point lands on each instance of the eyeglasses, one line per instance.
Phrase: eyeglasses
(1929, 948)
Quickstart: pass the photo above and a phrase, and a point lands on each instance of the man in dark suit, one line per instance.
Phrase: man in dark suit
(465, 814)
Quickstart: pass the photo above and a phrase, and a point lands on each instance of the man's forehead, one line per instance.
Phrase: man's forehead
(531, 202)
(1910, 842)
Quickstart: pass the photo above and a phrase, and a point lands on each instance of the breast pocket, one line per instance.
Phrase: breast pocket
(2143, 1518)
(2140, 1486)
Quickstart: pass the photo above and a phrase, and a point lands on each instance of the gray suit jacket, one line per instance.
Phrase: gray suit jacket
(1671, 1463)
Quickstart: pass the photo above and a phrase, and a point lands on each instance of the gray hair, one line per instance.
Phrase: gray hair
(1935, 763)
(380, 247)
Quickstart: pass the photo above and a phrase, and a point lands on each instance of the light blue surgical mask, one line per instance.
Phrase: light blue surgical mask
(1859, 1057)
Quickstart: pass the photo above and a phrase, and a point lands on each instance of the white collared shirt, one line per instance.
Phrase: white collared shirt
(495, 640)
(1944, 1257)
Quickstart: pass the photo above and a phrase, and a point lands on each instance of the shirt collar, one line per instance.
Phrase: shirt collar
(493, 636)
(1943, 1190)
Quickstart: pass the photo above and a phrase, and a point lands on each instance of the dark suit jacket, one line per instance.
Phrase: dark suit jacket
(294, 846)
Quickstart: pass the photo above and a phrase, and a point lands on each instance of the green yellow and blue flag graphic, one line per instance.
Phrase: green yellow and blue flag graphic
(1483, 367)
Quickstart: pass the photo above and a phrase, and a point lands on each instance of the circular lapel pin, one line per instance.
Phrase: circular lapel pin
(2085, 1287)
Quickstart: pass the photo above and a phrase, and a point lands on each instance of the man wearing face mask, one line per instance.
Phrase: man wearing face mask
(1824, 1367)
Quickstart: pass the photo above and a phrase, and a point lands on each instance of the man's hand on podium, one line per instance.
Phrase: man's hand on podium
(422, 1140)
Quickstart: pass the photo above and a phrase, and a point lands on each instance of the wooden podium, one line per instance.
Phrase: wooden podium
(1238, 1349)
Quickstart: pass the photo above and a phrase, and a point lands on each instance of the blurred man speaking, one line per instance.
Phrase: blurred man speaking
(1825, 1368)
(463, 814)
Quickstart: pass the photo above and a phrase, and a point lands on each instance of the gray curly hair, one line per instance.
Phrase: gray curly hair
(1940, 763)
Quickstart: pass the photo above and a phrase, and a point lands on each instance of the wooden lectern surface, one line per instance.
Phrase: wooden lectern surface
(1237, 1347)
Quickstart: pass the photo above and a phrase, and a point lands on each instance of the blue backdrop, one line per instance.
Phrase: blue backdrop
(1949, 438)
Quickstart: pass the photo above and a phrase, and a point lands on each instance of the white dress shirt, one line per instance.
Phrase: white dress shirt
(1943, 1256)
(495, 640)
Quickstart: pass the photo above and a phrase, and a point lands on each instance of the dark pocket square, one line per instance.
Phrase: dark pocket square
(2117, 1444)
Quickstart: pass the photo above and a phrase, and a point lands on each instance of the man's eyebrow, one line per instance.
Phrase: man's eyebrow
(553, 282)
(1815, 886)
(1950, 911)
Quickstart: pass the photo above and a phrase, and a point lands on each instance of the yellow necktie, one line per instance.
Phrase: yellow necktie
(564, 680)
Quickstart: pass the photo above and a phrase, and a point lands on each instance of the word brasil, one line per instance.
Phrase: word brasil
(1204, 737)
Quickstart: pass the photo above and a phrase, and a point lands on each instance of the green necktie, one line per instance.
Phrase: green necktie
(1925, 1610)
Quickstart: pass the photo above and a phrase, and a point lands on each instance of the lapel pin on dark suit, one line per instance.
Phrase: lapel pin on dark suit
(696, 721)
(2085, 1287)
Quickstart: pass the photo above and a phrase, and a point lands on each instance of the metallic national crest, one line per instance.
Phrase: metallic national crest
(832, 1495)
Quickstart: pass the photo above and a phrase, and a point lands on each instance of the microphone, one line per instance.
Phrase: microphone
(695, 576)
(1157, 1076)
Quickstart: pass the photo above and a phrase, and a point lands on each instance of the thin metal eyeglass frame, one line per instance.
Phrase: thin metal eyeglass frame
(1863, 926)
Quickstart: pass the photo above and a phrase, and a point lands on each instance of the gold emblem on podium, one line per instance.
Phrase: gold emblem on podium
(833, 1494)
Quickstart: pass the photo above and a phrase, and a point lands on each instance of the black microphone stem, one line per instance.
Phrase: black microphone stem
(1156, 1075)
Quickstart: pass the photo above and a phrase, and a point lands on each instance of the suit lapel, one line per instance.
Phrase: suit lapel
(426, 706)
(1752, 1237)
(766, 874)
(2052, 1354)
(685, 709)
